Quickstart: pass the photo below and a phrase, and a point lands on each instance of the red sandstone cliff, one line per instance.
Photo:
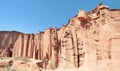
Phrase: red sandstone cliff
(7, 38)
(86, 40)
(7, 41)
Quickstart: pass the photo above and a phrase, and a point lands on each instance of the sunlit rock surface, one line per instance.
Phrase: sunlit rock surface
(89, 41)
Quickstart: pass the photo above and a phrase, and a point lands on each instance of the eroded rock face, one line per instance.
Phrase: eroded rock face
(7, 41)
(8, 38)
(86, 40)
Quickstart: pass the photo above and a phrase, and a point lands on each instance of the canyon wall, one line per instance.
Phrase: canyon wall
(8, 38)
(7, 41)
(86, 40)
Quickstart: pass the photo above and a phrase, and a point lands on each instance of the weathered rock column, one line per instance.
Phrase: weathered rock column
(47, 47)
(47, 43)
(30, 45)
(74, 44)
(62, 62)
(55, 48)
(67, 49)
(36, 46)
(39, 46)
(20, 50)
(70, 52)
(25, 51)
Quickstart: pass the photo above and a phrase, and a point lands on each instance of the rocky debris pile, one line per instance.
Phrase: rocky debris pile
(19, 64)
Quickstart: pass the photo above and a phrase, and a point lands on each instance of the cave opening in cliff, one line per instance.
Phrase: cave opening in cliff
(10, 54)
(10, 50)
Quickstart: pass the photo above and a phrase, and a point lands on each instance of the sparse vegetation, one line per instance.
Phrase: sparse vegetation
(6, 63)
(17, 69)
(22, 58)
(6, 67)
(51, 66)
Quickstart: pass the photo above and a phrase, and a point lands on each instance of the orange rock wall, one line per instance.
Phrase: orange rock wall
(87, 39)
